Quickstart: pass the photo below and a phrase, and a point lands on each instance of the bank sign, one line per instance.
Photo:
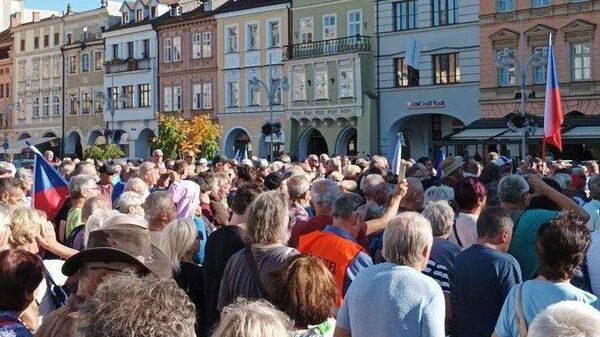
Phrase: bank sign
(431, 104)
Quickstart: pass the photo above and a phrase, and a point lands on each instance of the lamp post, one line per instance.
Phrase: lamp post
(271, 91)
(6, 108)
(507, 59)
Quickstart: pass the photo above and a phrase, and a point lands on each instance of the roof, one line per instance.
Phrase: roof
(5, 36)
(167, 19)
(146, 21)
(50, 18)
(238, 5)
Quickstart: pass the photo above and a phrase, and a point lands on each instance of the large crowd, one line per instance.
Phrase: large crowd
(330, 246)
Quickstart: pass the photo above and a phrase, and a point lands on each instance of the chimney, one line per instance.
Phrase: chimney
(36, 16)
(15, 19)
(68, 9)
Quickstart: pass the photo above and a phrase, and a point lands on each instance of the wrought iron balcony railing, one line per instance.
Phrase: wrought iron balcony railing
(120, 66)
(328, 47)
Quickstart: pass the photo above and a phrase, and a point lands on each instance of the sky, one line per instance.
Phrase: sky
(61, 5)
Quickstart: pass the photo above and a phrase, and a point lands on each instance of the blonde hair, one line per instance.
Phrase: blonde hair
(253, 319)
(25, 224)
(136, 185)
(268, 218)
(177, 239)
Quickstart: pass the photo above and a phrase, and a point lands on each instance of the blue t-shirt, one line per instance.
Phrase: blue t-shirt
(117, 191)
(391, 300)
(440, 266)
(482, 278)
(537, 295)
(201, 227)
(524, 238)
(10, 325)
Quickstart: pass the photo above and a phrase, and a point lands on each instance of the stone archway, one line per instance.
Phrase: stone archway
(346, 143)
(312, 142)
(73, 146)
(236, 141)
(143, 145)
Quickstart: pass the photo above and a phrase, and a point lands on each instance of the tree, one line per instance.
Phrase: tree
(103, 152)
(175, 134)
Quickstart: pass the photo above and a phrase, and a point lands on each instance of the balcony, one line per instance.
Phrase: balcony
(121, 66)
(343, 45)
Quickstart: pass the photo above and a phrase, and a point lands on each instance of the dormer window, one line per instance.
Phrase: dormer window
(153, 12)
(125, 18)
(175, 10)
(208, 6)
(139, 14)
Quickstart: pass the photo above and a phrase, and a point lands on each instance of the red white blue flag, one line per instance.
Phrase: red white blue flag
(553, 111)
(50, 189)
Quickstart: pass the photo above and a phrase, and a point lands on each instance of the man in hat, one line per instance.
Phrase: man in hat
(202, 165)
(452, 170)
(220, 164)
(107, 173)
(124, 244)
(277, 180)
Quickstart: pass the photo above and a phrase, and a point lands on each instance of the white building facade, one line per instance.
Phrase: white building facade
(439, 93)
(131, 77)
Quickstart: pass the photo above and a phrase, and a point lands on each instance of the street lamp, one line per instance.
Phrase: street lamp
(122, 99)
(507, 59)
(256, 84)
(6, 108)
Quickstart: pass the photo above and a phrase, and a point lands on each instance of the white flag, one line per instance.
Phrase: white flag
(413, 53)
(397, 159)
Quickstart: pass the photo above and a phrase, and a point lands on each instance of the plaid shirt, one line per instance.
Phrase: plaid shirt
(297, 215)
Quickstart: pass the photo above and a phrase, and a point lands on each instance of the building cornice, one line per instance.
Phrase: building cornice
(542, 12)
(252, 11)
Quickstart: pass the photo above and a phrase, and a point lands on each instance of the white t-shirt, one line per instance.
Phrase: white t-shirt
(42, 293)
(466, 227)
(593, 263)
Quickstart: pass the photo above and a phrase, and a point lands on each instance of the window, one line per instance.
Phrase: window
(168, 52)
(196, 45)
(276, 89)
(69, 38)
(113, 94)
(56, 39)
(46, 106)
(168, 98)
(505, 5)
(127, 96)
(253, 95)
(329, 27)
(46, 68)
(99, 102)
(146, 53)
(405, 14)
(177, 102)
(7, 90)
(321, 85)
(98, 60)
(306, 30)
(153, 11)
(206, 45)
(56, 67)
(207, 96)
(541, 3)
(507, 73)
(130, 49)
(581, 61)
(36, 68)
(125, 18)
(46, 41)
(252, 36)
(55, 105)
(406, 76)
(85, 63)
(36, 42)
(354, 23)
(299, 87)
(86, 106)
(197, 96)
(233, 90)
(1, 90)
(274, 34)
(346, 83)
(539, 68)
(446, 68)
(74, 104)
(73, 64)
(232, 40)
(139, 15)
(36, 107)
(22, 72)
(115, 50)
(176, 48)
(444, 12)
(144, 95)
(22, 44)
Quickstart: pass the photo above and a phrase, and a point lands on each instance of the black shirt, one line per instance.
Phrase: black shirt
(190, 279)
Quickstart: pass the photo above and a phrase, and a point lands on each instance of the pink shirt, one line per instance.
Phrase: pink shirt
(186, 196)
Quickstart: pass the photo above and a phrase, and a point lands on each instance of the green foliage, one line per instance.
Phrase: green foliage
(169, 136)
(103, 152)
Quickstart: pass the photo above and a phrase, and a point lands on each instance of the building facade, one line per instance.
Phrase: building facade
(83, 53)
(131, 77)
(428, 94)
(38, 82)
(187, 57)
(332, 105)
(251, 35)
(7, 104)
(8, 8)
(514, 31)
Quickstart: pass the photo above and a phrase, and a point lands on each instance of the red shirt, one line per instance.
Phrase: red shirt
(318, 223)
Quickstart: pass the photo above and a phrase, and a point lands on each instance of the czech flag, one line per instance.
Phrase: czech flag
(553, 111)
(50, 189)
(438, 163)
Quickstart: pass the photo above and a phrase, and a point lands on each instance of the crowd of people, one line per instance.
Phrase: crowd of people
(330, 246)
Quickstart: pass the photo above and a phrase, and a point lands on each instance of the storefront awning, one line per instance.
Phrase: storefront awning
(20, 145)
(477, 134)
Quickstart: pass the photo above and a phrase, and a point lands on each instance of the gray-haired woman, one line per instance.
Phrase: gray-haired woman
(248, 272)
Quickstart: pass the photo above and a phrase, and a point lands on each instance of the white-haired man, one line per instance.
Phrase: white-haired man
(394, 298)
(159, 210)
(566, 319)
